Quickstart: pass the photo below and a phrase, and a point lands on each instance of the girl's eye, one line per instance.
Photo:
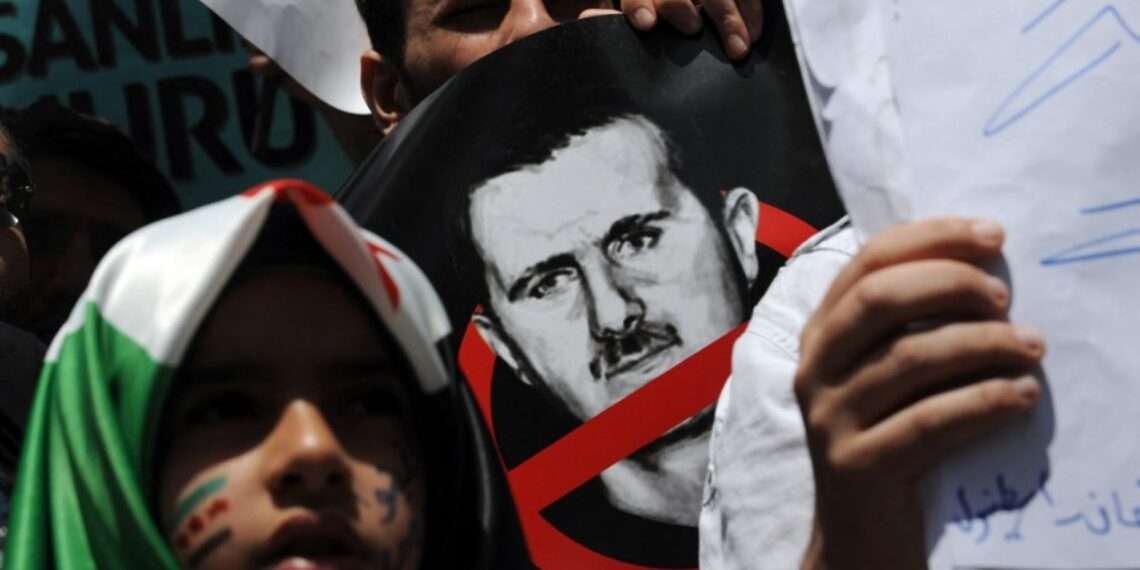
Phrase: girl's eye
(221, 408)
(374, 402)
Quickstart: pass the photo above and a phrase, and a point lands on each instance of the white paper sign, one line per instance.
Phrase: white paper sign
(1028, 112)
(842, 51)
(317, 42)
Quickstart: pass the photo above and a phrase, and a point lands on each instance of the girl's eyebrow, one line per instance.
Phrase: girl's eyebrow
(226, 373)
(340, 368)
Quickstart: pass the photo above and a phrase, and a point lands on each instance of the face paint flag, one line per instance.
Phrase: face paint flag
(318, 43)
(85, 483)
(600, 210)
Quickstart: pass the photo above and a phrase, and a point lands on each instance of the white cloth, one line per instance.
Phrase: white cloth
(759, 494)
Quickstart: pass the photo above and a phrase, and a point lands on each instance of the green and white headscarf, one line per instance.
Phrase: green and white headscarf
(82, 492)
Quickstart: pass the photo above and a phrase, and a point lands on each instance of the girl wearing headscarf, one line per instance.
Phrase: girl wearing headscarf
(257, 383)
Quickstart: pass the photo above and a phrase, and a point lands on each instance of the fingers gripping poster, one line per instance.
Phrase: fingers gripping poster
(600, 210)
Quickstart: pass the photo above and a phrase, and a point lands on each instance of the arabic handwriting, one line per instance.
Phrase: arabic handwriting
(1097, 517)
(1003, 497)
(1015, 107)
(1099, 530)
(1101, 247)
(1118, 510)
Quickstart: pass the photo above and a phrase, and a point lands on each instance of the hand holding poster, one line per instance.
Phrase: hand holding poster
(600, 211)
(1035, 125)
(1032, 123)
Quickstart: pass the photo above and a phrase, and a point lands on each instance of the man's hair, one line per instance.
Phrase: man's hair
(387, 28)
(49, 130)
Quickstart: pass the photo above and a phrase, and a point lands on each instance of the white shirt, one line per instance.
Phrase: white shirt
(759, 494)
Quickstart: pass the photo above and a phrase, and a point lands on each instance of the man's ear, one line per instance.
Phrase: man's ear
(384, 91)
(496, 338)
(741, 218)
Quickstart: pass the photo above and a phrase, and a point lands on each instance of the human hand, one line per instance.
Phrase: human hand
(739, 22)
(907, 358)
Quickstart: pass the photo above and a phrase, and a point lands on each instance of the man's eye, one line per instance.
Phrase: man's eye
(221, 408)
(634, 243)
(550, 283)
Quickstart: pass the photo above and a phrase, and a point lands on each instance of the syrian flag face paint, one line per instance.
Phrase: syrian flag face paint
(86, 482)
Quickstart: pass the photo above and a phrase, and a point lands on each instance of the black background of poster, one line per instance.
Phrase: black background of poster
(749, 121)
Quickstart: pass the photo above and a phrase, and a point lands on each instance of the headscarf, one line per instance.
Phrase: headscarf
(84, 493)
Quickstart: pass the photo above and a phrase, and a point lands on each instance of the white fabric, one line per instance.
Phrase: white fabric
(759, 494)
(157, 284)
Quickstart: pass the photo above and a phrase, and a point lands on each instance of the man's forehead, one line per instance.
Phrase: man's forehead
(612, 168)
(574, 199)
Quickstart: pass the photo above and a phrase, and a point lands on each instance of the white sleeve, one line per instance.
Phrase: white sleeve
(759, 493)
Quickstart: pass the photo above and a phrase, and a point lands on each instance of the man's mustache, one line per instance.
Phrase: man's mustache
(616, 354)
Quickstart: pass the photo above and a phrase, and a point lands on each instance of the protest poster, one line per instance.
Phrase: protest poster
(175, 79)
(600, 210)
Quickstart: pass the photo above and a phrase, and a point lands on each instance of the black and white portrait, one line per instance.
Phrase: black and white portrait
(590, 202)
(603, 270)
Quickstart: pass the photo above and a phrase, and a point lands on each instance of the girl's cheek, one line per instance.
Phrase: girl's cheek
(201, 524)
(399, 515)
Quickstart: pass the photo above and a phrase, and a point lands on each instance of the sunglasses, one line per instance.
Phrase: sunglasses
(15, 192)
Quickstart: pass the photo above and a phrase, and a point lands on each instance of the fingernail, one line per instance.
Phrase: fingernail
(737, 47)
(1031, 338)
(644, 18)
(988, 231)
(1028, 387)
(997, 289)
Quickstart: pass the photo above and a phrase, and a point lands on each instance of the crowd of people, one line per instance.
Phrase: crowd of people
(190, 410)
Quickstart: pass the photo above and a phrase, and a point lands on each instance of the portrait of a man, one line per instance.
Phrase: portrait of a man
(600, 211)
(603, 270)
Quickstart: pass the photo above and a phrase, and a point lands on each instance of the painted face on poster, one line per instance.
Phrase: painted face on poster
(604, 270)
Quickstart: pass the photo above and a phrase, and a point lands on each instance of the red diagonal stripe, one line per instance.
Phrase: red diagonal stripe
(625, 427)
(781, 231)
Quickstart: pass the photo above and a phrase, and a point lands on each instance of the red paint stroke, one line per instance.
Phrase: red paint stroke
(620, 430)
(217, 508)
(390, 287)
(198, 522)
(782, 231)
(623, 428)
(291, 190)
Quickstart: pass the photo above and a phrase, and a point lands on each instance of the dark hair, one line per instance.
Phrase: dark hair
(387, 29)
(48, 129)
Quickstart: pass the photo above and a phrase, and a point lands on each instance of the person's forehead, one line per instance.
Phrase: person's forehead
(290, 302)
(608, 172)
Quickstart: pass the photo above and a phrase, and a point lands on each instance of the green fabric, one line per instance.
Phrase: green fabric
(82, 492)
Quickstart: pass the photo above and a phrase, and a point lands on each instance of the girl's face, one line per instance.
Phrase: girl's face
(290, 440)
